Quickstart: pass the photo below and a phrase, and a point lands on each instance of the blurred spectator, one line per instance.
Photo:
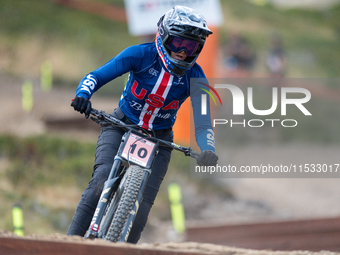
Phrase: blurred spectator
(276, 60)
(238, 54)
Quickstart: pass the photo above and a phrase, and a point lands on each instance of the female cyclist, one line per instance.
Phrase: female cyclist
(159, 82)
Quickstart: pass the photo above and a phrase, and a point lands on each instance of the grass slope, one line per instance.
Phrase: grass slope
(77, 42)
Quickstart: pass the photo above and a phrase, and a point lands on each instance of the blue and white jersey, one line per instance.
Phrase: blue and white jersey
(152, 96)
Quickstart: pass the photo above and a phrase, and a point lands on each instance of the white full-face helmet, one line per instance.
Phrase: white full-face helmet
(180, 29)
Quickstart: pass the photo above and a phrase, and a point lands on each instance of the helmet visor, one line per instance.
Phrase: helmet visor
(177, 44)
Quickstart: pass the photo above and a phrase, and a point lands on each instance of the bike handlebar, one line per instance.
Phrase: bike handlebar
(101, 115)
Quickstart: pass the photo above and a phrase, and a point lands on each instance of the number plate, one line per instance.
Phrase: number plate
(138, 150)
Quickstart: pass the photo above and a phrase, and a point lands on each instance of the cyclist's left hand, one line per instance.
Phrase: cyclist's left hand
(207, 158)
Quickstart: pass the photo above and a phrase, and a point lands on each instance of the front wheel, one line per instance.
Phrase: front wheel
(123, 201)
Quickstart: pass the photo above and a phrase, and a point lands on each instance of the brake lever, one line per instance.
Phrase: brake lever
(95, 119)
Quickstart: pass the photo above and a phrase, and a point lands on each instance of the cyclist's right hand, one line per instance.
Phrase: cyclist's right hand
(82, 105)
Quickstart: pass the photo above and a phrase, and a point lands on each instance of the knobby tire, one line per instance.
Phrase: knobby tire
(123, 202)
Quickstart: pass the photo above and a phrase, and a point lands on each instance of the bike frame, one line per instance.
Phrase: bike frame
(135, 148)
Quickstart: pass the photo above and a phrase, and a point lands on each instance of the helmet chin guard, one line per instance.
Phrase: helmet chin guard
(180, 22)
(168, 61)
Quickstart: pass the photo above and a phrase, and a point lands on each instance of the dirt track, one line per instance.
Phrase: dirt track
(62, 245)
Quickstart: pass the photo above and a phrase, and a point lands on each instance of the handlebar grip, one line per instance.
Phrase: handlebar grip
(94, 111)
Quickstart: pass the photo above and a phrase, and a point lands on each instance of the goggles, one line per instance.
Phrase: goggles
(177, 44)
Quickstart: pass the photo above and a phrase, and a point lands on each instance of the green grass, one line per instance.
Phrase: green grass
(76, 42)
(46, 175)
(44, 17)
(41, 160)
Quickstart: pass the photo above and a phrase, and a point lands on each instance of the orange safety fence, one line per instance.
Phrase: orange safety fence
(208, 60)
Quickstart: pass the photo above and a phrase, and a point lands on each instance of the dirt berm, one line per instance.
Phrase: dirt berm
(63, 245)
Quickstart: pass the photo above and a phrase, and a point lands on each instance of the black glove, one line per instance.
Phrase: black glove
(207, 158)
(82, 105)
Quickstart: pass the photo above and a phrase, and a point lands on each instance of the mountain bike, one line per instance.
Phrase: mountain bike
(123, 190)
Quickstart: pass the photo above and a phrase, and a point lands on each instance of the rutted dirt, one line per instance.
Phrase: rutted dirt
(55, 244)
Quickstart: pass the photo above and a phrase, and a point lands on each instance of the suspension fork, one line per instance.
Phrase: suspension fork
(110, 186)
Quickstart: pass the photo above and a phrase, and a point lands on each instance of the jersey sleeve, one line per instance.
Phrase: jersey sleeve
(204, 132)
(128, 60)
